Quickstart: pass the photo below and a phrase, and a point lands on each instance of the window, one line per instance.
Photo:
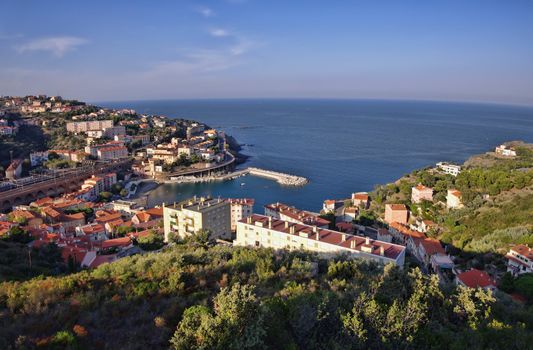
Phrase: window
(257, 244)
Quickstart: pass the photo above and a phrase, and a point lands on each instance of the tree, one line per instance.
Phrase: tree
(524, 286)
(105, 196)
(237, 322)
(153, 241)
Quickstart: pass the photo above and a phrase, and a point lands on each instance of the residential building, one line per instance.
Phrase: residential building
(350, 213)
(14, 170)
(38, 158)
(190, 216)
(426, 248)
(331, 205)
(360, 199)
(396, 213)
(291, 214)
(520, 260)
(29, 218)
(241, 208)
(475, 278)
(84, 126)
(113, 131)
(112, 152)
(505, 151)
(266, 231)
(420, 193)
(448, 168)
(93, 149)
(145, 139)
(74, 156)
(148, 215)
(453, 199)
(402, 234)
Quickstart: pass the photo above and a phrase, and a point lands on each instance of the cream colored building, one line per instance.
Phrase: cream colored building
(241, 208)
(265, 231)
(190, 216)
(420, 193)
(453, 199)
(85, 126)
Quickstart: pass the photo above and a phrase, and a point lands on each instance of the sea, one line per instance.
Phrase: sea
(341, 146)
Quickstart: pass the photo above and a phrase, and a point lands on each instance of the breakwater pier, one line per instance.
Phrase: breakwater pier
(281, 178)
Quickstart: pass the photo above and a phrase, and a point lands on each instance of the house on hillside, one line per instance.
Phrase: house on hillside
(475, 278)
(396, 213)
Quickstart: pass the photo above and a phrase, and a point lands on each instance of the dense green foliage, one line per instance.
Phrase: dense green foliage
(15, 261)
(191, 296)
(497, 193)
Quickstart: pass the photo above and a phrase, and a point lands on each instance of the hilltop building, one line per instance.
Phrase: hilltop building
(448, 168)
(505, 151)
(420, 193)
(453, 199)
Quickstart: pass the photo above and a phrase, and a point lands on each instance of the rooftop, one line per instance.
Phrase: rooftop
(476, 278)
(344, 240)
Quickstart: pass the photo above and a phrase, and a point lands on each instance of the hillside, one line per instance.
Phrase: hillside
(497, 193)
(192, 296)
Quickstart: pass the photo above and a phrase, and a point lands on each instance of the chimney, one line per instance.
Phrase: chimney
(343, 237)
(270, 222)
(381, 250)
(286, 224)
(291, 230)
(249, 219)
(318, 236)
(367, 241)
(352, 244)
(315, 229)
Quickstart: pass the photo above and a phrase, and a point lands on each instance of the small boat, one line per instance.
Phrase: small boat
(242, 183)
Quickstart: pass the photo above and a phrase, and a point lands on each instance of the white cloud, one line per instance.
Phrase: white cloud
(205, 11)
(219, 32)
(58, 46)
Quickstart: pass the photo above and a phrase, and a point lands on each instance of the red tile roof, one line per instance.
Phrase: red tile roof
(432, 246)
(475, 278)
(116, 242)
(391, 251)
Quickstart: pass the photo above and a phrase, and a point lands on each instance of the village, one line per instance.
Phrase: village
(100, 221)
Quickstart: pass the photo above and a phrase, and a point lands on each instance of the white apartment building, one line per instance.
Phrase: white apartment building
(520, 260)
(447, 168)
(241, 208)
(190, 216)
(84, 126)
(265, 231)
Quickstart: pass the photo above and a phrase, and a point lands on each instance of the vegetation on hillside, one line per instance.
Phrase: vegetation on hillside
(192, 296)
(497, 193)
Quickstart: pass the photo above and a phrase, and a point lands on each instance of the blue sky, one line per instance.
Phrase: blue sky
(474, 50)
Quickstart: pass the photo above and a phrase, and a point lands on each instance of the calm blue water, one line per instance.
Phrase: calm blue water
(342, 146)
